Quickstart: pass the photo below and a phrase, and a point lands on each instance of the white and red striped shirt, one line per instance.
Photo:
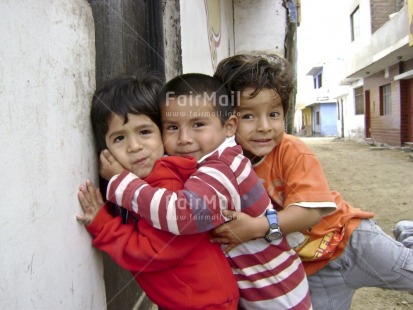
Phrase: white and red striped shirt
(269, 275)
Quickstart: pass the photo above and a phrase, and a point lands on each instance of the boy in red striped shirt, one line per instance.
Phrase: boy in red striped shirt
(176, 272)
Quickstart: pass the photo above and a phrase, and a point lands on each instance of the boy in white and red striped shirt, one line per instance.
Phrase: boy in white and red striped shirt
(198, 121)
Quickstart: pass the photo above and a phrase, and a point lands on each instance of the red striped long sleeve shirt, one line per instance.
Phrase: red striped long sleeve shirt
(269, 275)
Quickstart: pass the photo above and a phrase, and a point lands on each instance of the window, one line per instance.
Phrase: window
(359, 100)
(385, 99)
(355, 24)
(317, 118)
(318, 80)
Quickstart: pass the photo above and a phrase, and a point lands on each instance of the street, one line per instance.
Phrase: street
(374, 180)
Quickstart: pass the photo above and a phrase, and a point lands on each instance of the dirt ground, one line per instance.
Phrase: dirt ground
(375, 180)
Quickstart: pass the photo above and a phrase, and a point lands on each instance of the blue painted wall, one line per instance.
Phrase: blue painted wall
(328, 119)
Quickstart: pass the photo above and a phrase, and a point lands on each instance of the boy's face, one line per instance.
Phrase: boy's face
(191, 128)
(136, 144)
(260, 122)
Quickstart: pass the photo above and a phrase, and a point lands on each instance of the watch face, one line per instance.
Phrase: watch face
(275, 235)
(274, 232)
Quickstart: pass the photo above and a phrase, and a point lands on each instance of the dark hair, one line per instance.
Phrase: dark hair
(198, 84)
(257, 72)
(134, 94)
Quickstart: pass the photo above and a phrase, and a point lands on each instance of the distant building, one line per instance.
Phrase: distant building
(319, 115)
(374, 90)
(380, 70)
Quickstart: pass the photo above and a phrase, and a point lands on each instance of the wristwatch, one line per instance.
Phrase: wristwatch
(274, 232)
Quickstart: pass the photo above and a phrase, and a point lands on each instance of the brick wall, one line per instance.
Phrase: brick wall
(380, 11)
(385, 128)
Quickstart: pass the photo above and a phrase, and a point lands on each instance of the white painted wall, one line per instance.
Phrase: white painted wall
(259, 26)
(226, 47)
(47, 74)
(196, 55)
(196, 50)
(246, 26)
(354, 126)
(365, 16)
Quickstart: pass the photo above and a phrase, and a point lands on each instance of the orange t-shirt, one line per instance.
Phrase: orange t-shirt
(293, 175)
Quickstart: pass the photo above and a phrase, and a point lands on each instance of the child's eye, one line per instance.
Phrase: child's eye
(274, 114)
(118, 139)
(171, 127)
(145, 132)
(247, 116)
(198, 125)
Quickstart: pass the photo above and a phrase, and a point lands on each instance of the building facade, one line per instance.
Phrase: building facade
(322, 106)
(378, 71)
(373, 91)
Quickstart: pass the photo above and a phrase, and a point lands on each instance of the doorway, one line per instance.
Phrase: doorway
(367, 115)
(128, 38)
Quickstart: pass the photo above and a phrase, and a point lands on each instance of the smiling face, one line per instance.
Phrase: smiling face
(136, 144)
(260, 123)
(192, 128)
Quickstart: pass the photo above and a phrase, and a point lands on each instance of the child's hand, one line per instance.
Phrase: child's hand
(241, 228)
(91, 201)
(109, 166)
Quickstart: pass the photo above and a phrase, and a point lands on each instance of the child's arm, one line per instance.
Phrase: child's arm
(243, 228)
(196, 208)
(129, 248)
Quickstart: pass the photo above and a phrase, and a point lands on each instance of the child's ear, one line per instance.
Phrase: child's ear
(231, 125)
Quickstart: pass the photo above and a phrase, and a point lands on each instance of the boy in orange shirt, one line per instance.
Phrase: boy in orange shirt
(343, 250)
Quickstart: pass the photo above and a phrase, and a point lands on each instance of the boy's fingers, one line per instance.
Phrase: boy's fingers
(90, 187)
(220, 240)
(230, 215)
(229, 248)
(82, 199)
(82, 188)
(218, 231)
(103, 158)
(226, 213)
(88, 195)
(91, 192)
(82, 218)
(108, 156)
